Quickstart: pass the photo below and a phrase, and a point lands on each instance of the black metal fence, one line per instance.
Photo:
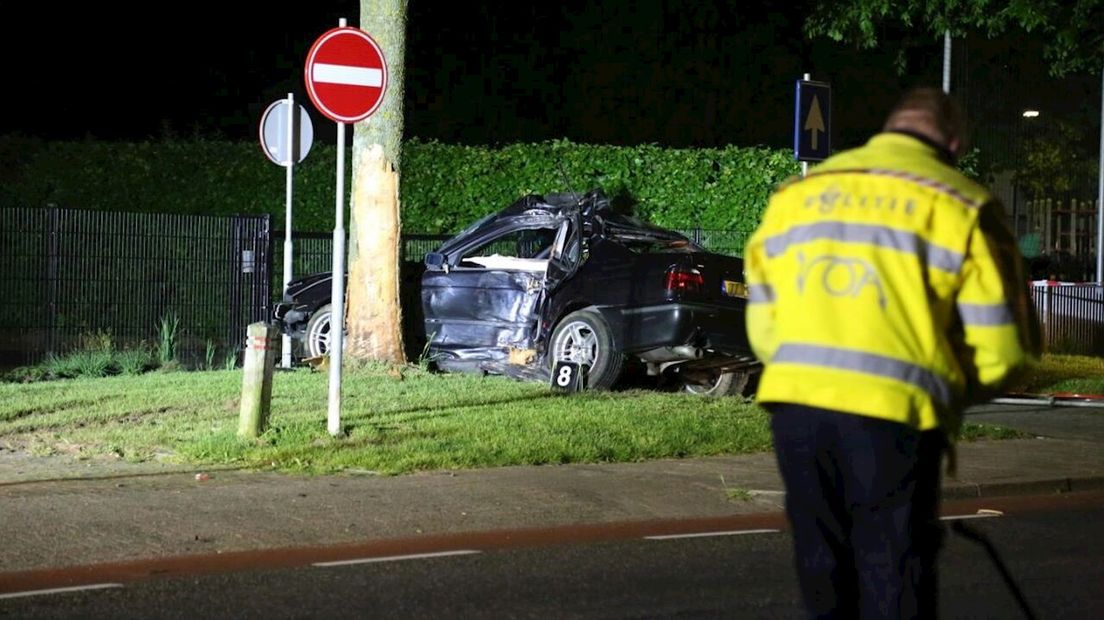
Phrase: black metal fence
(66, 274)
(313, 252)
(1072, 317)
(69, 273)
(730, 242)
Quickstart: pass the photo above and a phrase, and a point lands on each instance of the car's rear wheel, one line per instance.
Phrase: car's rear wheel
(584, 337)
(719, 384)
(316, 341)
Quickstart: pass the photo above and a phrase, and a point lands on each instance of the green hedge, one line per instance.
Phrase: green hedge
(444, 187)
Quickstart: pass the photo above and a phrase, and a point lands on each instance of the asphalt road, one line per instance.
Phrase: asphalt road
(1052, 548)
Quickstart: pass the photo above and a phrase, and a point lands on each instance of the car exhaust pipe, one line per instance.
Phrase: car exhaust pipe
(672, 354)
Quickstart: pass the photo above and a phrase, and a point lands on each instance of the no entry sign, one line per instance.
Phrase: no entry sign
(346, 75)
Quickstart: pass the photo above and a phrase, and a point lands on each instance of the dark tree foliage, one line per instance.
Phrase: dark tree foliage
(1073, 31)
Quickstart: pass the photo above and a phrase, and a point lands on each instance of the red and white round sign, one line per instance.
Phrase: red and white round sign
(346, 75)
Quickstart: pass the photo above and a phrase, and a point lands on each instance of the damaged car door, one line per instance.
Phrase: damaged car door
(482, 293)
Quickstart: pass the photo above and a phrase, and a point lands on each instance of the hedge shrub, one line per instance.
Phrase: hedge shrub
(444, 187)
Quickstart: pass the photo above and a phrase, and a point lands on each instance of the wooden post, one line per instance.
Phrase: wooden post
(1047, 217)
(1058, 228)
(260, 357)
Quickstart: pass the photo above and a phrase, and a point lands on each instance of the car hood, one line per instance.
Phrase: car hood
(310, 287)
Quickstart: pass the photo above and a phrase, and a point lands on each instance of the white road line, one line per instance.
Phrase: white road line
(704, 534)
(962, 517)
(95, 586)
(397, 558)
(346, 74)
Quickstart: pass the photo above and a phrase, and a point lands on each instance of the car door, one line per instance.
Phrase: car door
(481, 300)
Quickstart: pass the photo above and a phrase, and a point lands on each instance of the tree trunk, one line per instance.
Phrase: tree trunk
(373, 315)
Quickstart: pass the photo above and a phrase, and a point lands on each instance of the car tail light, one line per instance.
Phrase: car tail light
(684, 280)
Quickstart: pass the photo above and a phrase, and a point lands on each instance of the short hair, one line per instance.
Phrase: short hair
(927, 109)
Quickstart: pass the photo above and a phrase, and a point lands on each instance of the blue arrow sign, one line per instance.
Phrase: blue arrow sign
(812, 121)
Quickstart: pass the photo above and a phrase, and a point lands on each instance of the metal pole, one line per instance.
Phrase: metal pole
(1100, 195)
(337, 292)
(805, 165)
(947, 61)
(337, 288)
(285, 342)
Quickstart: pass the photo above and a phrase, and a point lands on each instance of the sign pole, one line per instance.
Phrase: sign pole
(337, 290)
(285, 342)
(1100, 198)
(286, 134)
(804, 164)
(346, 76)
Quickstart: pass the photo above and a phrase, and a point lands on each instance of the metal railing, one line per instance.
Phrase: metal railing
(1071, 317)
(729, 242)
(312, 252)
(69, 273)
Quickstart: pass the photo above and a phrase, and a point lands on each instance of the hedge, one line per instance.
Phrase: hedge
(444, 187)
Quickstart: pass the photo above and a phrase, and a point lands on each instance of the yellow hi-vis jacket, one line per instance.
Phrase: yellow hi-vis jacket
(886, 284)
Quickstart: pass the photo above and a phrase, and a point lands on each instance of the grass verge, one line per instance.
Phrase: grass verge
(395, 420)
(1062, 374)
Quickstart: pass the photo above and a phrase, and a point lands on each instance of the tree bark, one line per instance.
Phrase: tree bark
(373, 312)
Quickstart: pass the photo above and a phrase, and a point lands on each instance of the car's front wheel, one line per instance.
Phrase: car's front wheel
(317, 337)
(584, 337)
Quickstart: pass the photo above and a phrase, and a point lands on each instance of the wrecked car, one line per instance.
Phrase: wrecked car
(565, 277)
(304, 314)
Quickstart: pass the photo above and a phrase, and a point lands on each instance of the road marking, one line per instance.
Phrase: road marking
(397, 558)
(704, 534)
(346, 74)
(95, 586)
(983, 515)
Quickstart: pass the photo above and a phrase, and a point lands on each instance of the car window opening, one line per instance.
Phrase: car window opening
(518, 250)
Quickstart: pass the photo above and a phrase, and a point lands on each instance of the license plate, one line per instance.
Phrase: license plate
(732, 288)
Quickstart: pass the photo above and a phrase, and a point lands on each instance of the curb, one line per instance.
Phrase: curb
(1051, 486)
(1058, 399)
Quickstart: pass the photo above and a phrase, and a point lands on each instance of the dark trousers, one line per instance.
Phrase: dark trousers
(862, 498)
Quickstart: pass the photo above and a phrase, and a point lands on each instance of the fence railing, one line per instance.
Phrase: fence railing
(1071, 317)
(70, 273)
(313, 252)
(1058, 238)
(729, 242)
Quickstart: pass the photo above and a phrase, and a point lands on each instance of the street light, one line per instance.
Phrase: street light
(1030, 113)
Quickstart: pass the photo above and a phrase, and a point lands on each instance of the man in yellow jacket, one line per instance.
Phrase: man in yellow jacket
(886, 295)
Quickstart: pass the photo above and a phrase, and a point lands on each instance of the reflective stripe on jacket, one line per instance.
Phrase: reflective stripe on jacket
(885, 283)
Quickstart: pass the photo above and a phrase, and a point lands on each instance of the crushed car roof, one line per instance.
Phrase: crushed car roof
(593, 205)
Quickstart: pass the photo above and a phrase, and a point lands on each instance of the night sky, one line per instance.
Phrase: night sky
(210, 68)
(673, 72)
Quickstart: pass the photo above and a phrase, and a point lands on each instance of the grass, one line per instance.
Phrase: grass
(98, 356)
(400, 419)
(393, 422)
(1062, 374)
